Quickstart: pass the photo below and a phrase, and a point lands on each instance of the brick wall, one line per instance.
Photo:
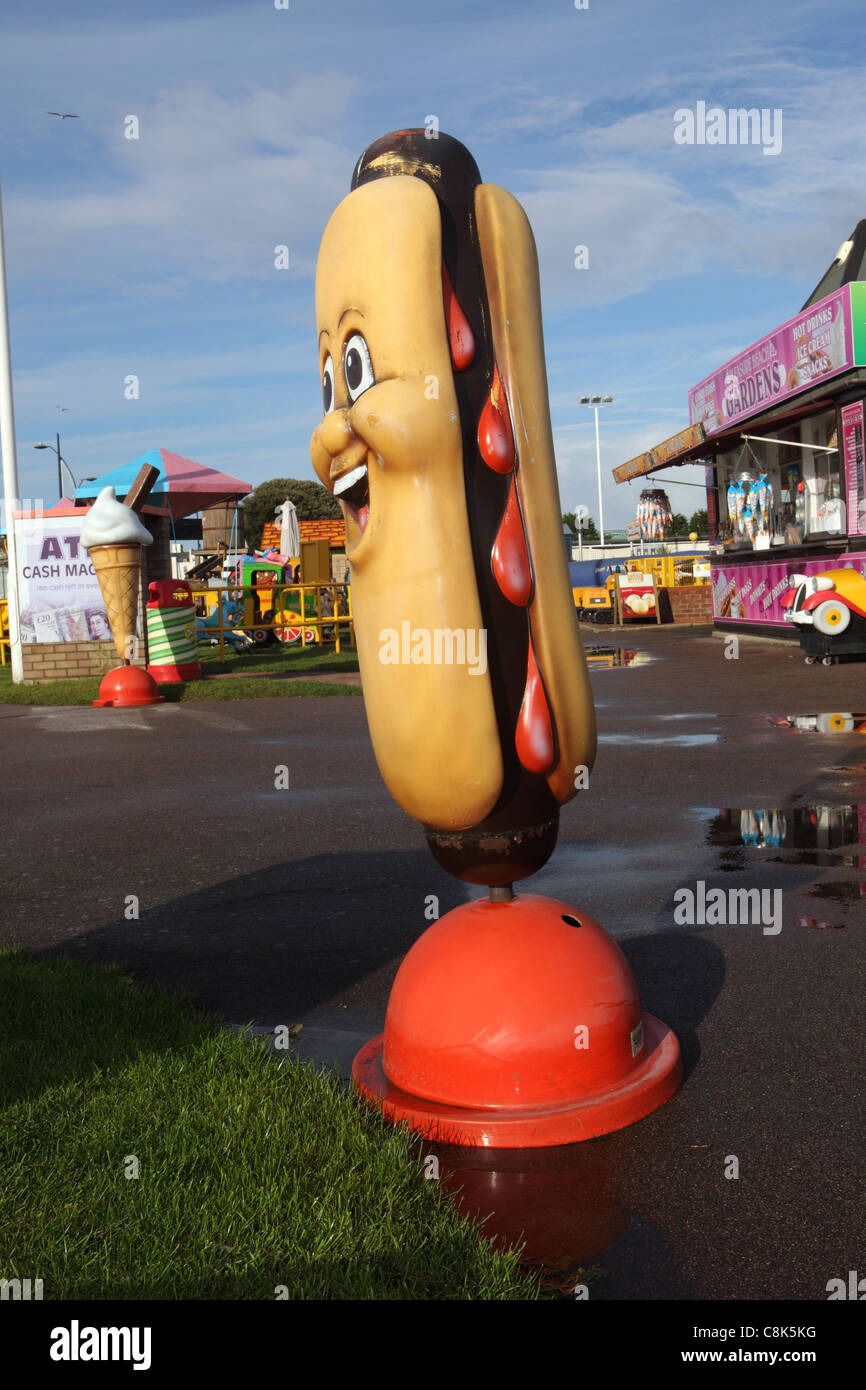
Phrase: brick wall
(689, 603)
(56, 661)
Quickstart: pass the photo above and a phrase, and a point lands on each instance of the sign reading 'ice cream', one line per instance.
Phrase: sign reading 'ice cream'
(811, 348)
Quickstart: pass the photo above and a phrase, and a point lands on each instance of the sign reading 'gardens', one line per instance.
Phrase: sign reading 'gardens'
(811, 348)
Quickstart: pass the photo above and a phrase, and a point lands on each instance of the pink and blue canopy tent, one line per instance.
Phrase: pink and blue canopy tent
(183, 486)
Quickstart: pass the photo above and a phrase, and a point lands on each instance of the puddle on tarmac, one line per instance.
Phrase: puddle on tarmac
(683, 716)
(837, 723)
(680, 740)
(831, 837)
(810, 834)
(604, 658)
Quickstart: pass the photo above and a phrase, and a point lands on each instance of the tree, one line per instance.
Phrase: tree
(590, 531)
(313, 501)
(698, 522)
(679, 527)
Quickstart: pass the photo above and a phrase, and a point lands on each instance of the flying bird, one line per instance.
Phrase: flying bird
(64, 115)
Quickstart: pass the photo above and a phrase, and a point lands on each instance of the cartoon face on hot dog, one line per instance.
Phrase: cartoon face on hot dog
(436, 443)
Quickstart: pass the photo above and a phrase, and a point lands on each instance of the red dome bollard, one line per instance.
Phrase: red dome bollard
(127, 686)
(515, 1025)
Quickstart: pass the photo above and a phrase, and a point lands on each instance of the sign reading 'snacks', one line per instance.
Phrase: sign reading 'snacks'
(58, 590)
(811, 348)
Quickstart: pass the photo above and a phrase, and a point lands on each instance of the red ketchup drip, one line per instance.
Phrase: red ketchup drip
(494, 430)
(459, 333)
(510, 558)
(534, 737)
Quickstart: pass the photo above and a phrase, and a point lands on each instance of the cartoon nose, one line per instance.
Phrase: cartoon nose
(335, 432)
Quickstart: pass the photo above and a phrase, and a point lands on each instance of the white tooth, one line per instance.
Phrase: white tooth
(349, 479)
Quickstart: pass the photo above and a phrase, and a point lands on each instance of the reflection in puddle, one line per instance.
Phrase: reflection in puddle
(818, 834)
(603, 658)
(560, 1202)
(823, 723)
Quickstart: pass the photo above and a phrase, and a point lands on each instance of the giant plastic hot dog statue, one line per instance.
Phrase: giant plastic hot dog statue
(436, 441)
(513, 1021)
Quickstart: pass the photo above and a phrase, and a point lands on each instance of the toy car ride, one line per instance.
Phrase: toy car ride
(829, 611)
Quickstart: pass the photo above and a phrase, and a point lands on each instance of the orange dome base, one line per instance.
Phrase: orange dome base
(517, 1025)
(128, 685)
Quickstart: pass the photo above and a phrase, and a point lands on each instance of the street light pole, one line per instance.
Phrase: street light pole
(598, 470)
(10, 470)
(59, 464)
(595, 402)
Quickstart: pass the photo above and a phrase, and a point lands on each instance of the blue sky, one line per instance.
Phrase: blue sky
(154, 257)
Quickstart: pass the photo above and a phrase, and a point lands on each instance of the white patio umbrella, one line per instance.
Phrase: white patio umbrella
(290, 535)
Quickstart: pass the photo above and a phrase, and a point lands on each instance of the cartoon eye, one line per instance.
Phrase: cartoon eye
(357, 366)
(328, 384)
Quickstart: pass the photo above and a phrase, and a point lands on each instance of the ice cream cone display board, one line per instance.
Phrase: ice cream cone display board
(436, 443)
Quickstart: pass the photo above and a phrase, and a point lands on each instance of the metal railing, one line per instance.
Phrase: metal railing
(282, 601)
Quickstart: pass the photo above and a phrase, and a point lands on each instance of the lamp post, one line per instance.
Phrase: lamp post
(581, 516)
(594, 402)
(59, 462)
(11, 500)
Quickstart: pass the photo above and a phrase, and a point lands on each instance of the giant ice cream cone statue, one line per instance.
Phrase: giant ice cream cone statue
(118, 569)
(115, 538)
(513, 1021)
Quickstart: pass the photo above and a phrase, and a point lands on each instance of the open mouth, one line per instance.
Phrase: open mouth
(353, 491)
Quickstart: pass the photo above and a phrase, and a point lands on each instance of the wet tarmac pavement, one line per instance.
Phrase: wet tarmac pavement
(284, 906)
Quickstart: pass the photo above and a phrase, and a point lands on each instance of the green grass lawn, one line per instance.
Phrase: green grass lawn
(289, 660)
(253, 1172)
(258, 664)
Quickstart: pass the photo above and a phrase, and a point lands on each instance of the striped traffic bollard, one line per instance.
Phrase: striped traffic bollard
(171, 631)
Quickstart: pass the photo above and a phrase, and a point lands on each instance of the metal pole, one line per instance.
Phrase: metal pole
(598, 466)
(10, 467)
(59, 471)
